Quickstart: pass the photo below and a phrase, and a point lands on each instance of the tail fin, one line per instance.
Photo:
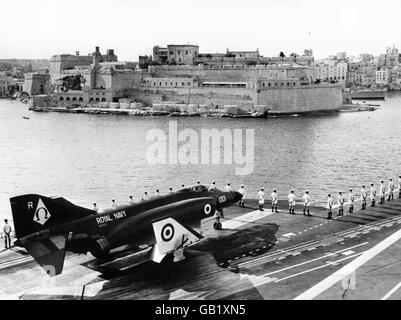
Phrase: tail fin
(33, 213)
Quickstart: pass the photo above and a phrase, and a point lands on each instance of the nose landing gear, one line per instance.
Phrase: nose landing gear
(218, 215)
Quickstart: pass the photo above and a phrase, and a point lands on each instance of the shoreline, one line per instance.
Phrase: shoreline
(215, 113)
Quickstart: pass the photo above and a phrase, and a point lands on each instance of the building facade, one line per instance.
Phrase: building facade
(382, 77)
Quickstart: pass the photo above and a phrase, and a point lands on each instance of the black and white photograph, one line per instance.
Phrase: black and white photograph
(200, 150)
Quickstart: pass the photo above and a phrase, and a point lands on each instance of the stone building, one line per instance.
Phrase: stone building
(59, 64)
(189, 55)
(5, 83)
(337, 72)
(382, 77)
(37, 84)
(182, 54)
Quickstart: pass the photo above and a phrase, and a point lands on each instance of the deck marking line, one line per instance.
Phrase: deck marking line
(347, 253)
(391, 292)
(316, 259)
(320, 267)
(349, 268)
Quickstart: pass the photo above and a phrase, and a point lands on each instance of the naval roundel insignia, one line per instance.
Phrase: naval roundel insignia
(207, 209)
(167, 232)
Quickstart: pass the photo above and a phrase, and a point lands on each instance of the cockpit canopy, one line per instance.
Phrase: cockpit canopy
(197, 188)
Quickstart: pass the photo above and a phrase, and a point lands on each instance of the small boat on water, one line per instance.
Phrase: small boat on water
(25, 117)
(179, 114)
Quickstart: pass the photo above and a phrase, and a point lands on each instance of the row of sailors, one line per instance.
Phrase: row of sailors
(340, 198)
(291, 201)
(291, 197)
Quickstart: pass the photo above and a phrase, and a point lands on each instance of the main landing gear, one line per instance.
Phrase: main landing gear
(218, 215)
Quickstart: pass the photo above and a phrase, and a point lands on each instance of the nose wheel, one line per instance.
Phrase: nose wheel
(218, 215)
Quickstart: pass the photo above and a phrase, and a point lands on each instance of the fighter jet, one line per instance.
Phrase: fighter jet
(49, 226)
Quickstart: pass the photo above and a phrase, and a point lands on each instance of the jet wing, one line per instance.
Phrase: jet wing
(49, 253)
(170, 236)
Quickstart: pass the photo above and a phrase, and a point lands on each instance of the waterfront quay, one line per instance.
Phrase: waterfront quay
(182, 110)
(257, 255)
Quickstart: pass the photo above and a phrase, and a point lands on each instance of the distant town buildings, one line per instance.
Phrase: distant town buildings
(365, 71)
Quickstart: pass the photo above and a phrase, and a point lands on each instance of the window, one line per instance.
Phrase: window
(171, 52)
(269, 84)
(179, 52)
(154, 84)
(183, 84)
(186, 52)
(189, 84)
(288, 84)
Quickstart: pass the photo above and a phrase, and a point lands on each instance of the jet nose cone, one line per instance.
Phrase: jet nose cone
(236, 196)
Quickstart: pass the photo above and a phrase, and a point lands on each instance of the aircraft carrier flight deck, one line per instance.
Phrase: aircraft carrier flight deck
(256, 255)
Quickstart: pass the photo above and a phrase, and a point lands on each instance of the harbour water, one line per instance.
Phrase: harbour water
(93, 158)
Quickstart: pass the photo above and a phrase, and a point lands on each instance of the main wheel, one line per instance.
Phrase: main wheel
(215, 225)
(219, 226)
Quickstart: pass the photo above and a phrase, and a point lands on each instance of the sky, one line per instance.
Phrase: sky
(41, 28)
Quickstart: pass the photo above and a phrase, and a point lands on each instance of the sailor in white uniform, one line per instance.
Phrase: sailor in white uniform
(390, 190)
(274, 197)
(213, 186)
(306, 198)
(113, 204)
(227, 188)
(364, 196)
(372, 195)
(291, 202)
(145, 195)
(351, 200)
(382, 192)
(340, 200)
(95, 207)
(261, 199)
(131, 200)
